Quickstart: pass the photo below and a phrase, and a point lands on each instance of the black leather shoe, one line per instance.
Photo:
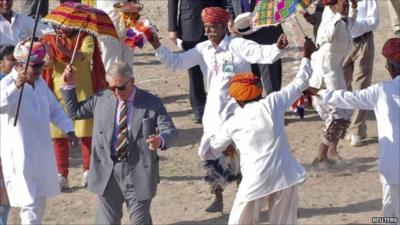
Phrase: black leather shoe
(217, 205)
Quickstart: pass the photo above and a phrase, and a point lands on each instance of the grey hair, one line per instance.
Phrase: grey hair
(120, 68)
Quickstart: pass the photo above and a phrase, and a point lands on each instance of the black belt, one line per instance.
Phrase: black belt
(362, 37)
(117, 159)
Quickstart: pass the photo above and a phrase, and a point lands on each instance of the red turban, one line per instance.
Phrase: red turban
(215, 15)
(245, 87)
(391, 49)
(329, 2)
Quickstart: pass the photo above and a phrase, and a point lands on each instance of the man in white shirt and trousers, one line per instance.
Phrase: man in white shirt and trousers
(384, 99)
(220, 58)
(334, 42)
(29, 164)
(270, 172)
(358, 64)
(15, 27)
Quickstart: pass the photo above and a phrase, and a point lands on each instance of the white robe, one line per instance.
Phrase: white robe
(258, 130)
(26, 150)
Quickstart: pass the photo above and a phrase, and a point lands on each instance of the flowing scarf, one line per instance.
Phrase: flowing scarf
(98, 71)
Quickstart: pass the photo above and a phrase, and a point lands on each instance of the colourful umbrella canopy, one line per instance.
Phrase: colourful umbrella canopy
(77, 16)
(273, 12)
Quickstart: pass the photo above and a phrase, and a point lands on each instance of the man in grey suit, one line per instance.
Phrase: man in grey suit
(124, 165)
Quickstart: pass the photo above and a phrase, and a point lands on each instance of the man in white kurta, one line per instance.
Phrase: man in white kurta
(15, 27)
(220, 58)
(384, 99)
(27, 155)
(333, 39)
(258, 130)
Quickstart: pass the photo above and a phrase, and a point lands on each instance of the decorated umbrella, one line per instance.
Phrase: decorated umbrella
(273, 12)
(81, 17)
(72, 15)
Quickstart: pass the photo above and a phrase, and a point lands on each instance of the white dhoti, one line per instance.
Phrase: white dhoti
(282, 208)
(391, 200)
(33, 213)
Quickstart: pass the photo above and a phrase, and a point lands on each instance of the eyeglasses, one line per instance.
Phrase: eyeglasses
(120, 88)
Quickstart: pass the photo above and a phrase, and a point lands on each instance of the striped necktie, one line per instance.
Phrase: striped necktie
(123, 131)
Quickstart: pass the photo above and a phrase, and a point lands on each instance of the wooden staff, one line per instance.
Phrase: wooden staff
(27, 61)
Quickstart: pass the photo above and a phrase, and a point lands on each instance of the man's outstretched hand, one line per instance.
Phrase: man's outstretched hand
(309, 48)
(311, 91)
(155, 41)
(282, 41)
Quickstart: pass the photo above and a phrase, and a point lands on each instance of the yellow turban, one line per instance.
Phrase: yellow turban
(245, 87)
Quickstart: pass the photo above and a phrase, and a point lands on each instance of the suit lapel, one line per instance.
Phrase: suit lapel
(138, 112)
(111, 104)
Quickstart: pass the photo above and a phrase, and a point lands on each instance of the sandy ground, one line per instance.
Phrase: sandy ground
(348, 194)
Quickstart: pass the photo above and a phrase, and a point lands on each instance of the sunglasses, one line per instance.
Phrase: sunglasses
(120, 88)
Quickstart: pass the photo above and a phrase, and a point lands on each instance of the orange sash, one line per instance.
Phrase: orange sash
(98, 71)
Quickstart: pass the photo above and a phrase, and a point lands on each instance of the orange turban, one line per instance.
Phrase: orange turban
(215, 15)
(391, 49)
(245, 87)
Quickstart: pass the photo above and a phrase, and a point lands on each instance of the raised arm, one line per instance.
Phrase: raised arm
(182, 61)
(76, 110)
(285, 97)
(263, 54)
(364, 99)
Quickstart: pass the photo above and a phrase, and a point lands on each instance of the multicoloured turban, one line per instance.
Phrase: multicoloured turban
(329, 2)
(245, 87)
(38, 53)
(215, 15)
(391, 49)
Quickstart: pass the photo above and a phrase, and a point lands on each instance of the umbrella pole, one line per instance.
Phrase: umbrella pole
(75, 48)
(27, 61)
(301, 28)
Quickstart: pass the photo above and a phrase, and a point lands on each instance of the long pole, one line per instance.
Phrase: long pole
(27, 61)
(75, 48)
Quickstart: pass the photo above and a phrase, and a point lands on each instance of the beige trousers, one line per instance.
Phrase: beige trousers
(394, 12)
(282, 208)
(357, 67)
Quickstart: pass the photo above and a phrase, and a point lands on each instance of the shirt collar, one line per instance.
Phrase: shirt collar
(223, 45)
(13, 17)
(131, 96)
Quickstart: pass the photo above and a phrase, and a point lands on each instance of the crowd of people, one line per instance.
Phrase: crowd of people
(88, 98)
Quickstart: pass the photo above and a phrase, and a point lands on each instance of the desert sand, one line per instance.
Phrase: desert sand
(349, 194)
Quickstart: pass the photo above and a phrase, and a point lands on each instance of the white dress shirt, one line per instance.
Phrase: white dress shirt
(384, 99)
(367, 18)
(334, 43)
(258, 130)
(27, 154)
(232, 56)
(21, 27)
